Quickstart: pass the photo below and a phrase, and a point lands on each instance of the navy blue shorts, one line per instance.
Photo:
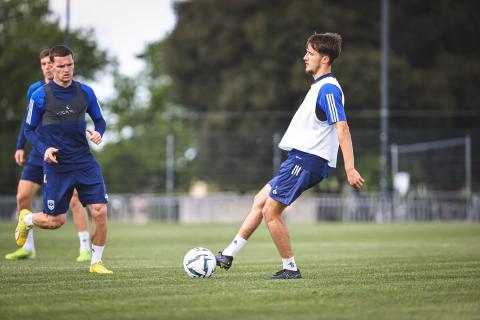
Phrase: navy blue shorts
(32, 172)
(58, 189)
(33, 169)
(292, 180)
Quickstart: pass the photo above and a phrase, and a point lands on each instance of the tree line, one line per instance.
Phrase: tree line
(230, 74)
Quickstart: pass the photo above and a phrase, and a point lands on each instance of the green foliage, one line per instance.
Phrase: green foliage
(435, 64)
(26, 27)
(244, 57)
(144, 115)
(248, 55)
(351, 271)
(231, 74)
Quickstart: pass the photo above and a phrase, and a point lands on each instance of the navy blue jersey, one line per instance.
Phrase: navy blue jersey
(21, 140)
(65, 128)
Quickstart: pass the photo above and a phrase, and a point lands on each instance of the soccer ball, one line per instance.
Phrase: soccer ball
(199, 263)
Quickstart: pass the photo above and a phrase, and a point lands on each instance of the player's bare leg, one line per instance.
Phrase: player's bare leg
(25, 193)
(46, 221)
(272, 213)
(99, 237)
(80, 220)
(99, 218)
(255, 216)
(27, 219)
(80, 217)
(248, 227)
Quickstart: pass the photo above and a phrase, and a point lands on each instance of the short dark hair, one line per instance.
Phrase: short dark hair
(329, 44)
(44, 53)
(60, 51)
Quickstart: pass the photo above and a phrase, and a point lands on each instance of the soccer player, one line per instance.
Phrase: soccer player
(32, 178)
(312, 139)
(59, 109)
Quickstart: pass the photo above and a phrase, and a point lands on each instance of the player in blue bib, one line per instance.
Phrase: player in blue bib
(59, 109)
(312, 140)
(32, 179)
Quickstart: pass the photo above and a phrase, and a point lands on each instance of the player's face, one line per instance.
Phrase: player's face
(63, 69)
(46, 66)
(312, 60)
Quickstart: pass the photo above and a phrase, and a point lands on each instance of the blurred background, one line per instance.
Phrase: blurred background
(197, 95)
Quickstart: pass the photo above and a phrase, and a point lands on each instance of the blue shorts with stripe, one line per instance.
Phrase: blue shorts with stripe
(298, 173)
(58, 189)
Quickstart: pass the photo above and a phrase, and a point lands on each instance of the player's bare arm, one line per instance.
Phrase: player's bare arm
(353, 176)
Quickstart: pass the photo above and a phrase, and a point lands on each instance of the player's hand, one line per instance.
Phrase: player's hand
(354, 178)
(95, 136)
(20, 156)
(50, 155)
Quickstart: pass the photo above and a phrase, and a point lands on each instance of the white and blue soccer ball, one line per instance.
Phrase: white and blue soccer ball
(199, 263)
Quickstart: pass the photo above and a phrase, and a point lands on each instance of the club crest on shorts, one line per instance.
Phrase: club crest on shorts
(51, 204)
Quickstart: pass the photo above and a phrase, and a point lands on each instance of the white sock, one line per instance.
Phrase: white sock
(28, 219)
(234, 247)
(289, 264)
(84, 240)
(29, 244)
(97, 252)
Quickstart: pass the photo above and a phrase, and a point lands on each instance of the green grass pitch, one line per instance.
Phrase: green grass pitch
(351, 271)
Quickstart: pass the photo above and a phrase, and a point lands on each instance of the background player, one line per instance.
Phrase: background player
(32, 178)
(317, 129)
(59, 109)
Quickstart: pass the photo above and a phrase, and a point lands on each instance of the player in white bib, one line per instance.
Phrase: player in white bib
(312, 139)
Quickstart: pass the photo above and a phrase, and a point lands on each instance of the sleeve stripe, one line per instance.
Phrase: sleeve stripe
(332, 107)
(336, 110)
(30, 110)
(329, 107)
(100, 108)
